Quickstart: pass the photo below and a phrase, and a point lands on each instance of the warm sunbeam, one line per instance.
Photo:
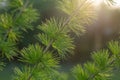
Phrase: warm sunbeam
(115, 2)
(97, 2)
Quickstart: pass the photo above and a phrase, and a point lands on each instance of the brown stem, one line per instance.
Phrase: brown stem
(46, 49)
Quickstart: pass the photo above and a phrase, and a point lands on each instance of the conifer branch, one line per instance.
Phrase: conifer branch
(39, 58)
(46, 49)
(31, 74)
(74, 13)
(22, 9)
(62, 28)
(6, 35)
(95, 74)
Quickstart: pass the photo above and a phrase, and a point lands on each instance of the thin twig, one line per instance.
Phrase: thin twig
(93, 75)
(30, 76)
(46, 49)
(22, 9)
(74, 13)
(62, 28)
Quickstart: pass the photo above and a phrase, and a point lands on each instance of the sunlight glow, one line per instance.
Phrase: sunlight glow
(117, 3)
(98, 2)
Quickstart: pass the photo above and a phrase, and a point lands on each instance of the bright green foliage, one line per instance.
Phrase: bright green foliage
(38, 73)
(44, 39)
(79, 73)
(60, 76)
(24, 14)
(17, 17)
(8, 49)
(82, 12)
(22, 74)
(16, 3)
(43, 63)
(32, 54)
(7, 27)
(52, 75)
(52, 30)
(102, 66)
(114, 46)
(63, 45)
(29, 15)
(6, 21)
(90, 68)
(54, 35)
(40, 61)
(101, 58)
